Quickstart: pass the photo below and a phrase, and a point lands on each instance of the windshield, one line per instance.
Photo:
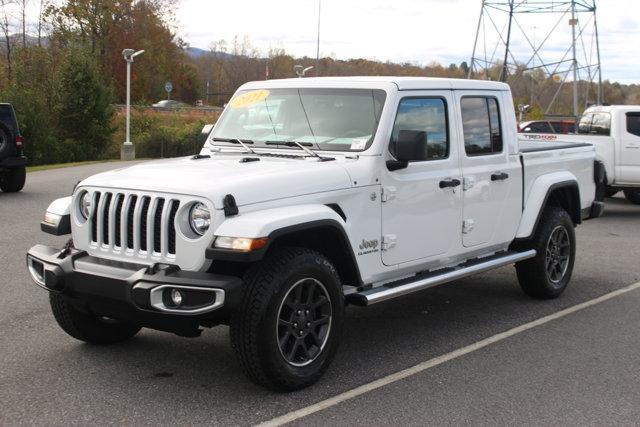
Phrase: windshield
(325, 119)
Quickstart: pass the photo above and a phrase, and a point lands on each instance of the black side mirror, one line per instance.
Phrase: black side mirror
(409, 146)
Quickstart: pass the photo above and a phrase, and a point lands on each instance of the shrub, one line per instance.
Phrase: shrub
(165, 134)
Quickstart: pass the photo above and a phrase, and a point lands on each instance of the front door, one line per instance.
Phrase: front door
(421, 205)
(629, 163)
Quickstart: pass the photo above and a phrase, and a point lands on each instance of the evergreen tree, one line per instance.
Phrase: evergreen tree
(85, 114)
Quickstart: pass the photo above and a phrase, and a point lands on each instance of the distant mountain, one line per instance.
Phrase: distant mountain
(196, 52)
(16, 40)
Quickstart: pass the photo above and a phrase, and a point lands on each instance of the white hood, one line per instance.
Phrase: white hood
(212, 178)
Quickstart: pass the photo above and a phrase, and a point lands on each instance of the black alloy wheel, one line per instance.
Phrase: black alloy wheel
(304, 322)
(558, 253)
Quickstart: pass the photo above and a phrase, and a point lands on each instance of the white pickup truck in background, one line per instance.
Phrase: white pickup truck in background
(614, 130)
(307, 195)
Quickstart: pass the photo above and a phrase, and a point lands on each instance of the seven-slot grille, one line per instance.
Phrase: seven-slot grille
(135, 223)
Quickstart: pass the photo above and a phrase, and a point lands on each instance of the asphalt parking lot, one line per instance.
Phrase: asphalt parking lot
(580, 368)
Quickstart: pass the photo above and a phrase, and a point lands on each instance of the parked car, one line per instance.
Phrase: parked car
(12, 160)
(614, 130)
(169, 104)
(349, 190)
(548, 126)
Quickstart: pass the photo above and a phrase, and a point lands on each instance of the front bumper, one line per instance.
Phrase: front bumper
(135, 292)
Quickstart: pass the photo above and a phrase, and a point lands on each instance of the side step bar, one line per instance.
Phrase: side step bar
(432, 278)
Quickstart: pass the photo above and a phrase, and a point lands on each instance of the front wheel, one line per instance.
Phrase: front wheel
(633, 195)
(289, 325)
(547, 275)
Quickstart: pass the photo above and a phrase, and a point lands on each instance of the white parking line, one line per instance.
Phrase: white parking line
(365, 388)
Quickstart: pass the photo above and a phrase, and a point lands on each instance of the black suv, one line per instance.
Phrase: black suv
(12, 160)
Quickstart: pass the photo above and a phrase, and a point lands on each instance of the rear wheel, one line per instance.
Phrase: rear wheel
(12, 180)
(633, 195)
(548, 273)
(289, 325)
(89, 328)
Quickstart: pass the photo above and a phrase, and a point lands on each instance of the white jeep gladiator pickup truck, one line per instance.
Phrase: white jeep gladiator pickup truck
(310, 194)
(614, 130)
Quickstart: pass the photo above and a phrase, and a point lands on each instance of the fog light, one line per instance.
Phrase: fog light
(176, 297)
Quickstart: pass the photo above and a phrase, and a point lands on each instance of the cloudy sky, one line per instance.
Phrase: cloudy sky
(419, 31)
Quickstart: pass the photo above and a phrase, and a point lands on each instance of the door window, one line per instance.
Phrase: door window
(481, 126)
(595, 124)
(633, 123)
(428, 115)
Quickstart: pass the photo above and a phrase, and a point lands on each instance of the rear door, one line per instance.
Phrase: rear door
(629, 159)
(490, 174)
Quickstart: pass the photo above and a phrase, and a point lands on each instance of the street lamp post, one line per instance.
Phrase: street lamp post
(128, 151)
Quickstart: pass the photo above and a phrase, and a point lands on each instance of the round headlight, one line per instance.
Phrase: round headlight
(200, 218)
(84, 204)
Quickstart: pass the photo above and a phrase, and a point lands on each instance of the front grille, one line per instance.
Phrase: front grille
(139, 223)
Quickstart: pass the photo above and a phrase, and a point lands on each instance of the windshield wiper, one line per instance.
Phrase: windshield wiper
(292, 143)
(238, 141)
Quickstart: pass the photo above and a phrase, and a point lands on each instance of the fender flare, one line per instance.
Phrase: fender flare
(263, 223)
(609, 174)
(539, 194)
(275, 223)
(62, 208)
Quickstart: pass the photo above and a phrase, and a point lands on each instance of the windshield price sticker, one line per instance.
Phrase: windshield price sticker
(248, 99)
(359, 143)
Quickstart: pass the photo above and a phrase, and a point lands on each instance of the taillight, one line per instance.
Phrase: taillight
(19, 141)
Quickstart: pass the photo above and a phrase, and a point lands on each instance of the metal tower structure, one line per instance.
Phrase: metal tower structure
(546, 44)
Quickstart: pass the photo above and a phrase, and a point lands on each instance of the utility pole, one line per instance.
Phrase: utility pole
(128, 151)
(318, 40)
(505, 70)
(573, 24)
(595, 26)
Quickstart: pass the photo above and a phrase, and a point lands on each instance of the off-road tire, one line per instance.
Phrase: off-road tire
(88, 328)
(12, 180)
(254, 334)
(633, 195)
(533, 273)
